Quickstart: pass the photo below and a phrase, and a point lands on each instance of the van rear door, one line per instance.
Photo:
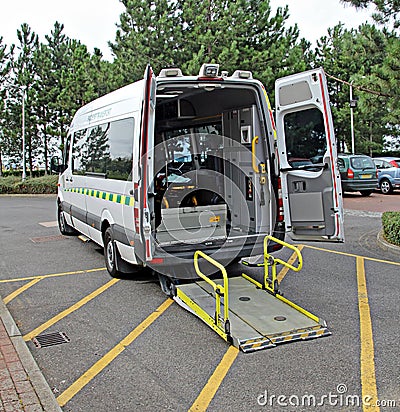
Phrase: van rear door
(145, 202)
(311, 188)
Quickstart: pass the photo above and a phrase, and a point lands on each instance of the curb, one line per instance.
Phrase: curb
(35, 375)
(386, 245)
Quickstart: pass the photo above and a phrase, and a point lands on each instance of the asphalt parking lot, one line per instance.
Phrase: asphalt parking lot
(131, 348)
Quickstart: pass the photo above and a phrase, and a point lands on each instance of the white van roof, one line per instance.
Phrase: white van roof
(114, 105)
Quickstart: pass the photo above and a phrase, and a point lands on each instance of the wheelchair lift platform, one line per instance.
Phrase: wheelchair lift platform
(250, 315)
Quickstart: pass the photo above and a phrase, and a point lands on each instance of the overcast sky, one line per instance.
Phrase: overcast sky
(93, 22)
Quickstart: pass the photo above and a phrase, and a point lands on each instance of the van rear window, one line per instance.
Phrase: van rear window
(105, 149)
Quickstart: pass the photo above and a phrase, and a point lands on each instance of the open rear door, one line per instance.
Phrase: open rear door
(311, 188)
(144, 205)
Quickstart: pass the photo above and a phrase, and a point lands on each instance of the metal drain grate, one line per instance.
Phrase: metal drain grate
(50, 339)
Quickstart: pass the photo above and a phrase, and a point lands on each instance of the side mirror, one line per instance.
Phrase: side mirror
(56, 165)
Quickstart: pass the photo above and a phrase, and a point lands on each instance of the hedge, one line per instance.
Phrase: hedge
(35, 173)
(391, 227)
(37, 185)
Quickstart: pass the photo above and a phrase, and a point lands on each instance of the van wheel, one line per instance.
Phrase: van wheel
(386, 187)
(63, 226)
(365, 193)
(110, 252)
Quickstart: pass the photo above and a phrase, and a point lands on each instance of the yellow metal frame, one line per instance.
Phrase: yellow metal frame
(201, 313)
(218, 289)
(271, 284)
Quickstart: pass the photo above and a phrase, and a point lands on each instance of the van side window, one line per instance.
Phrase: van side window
(67, 145)
(106, 150)
(79, 143)
(305, 136)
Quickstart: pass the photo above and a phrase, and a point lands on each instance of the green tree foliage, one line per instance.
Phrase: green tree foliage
(5, 67)
(59, 75)
(355, 57)
(24, 78)
(242, 34)
(387, 10)
(385, 76)
(149, 31)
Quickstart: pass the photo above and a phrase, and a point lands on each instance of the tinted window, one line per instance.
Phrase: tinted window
(105, 150)
(66, 150)
(305, 135)
(79, 143)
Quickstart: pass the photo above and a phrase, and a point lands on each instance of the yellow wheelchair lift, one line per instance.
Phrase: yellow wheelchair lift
(250, 315)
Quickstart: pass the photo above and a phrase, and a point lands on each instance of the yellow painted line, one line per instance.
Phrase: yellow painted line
(209, 391)
(353, 255)
(77, 272)
(368, 379)
(13, 295)
(291, 261)
(69, 310)
(81, 382)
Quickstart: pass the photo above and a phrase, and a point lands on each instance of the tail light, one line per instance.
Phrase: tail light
(280, 201)
(350, 174)
(377, 174)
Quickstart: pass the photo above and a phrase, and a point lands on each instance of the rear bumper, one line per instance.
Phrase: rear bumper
(358, 185)
(177, 261)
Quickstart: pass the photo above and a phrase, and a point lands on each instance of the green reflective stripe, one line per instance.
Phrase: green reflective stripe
(112, 197)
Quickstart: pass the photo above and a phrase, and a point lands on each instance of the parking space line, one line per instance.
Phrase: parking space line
(291, 261)
(368, 378)
(69, 310)
(81, 382)
(353, 255)
(213, 384)
(17, 292)
(52, 275)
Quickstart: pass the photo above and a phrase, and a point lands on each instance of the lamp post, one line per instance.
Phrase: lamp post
(353, 104)
(23, 135)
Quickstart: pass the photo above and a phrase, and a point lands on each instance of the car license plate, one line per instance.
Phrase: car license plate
(366, 176)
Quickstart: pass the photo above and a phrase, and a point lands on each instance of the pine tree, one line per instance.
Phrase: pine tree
(148, 31)
(24, 78)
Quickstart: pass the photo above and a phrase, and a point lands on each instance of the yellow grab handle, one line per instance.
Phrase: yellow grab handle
(219, 290)
(289, 246)
(253, 154)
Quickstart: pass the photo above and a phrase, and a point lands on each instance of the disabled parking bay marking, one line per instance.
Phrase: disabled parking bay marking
(69, 310)
(81, 382)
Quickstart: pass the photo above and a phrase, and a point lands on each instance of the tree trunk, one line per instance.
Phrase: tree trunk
(1, 164)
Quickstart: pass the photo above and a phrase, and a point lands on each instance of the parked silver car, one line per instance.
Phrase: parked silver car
(388, 173)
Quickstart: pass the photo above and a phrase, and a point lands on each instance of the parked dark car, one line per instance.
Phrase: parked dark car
(388, 173)
(357, 173)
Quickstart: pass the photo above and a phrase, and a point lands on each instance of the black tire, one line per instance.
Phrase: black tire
(386, 187)
(63, 226)
(110, 253)
(365, 193)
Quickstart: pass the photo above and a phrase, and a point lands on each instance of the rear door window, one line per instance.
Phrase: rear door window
(362, 163)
